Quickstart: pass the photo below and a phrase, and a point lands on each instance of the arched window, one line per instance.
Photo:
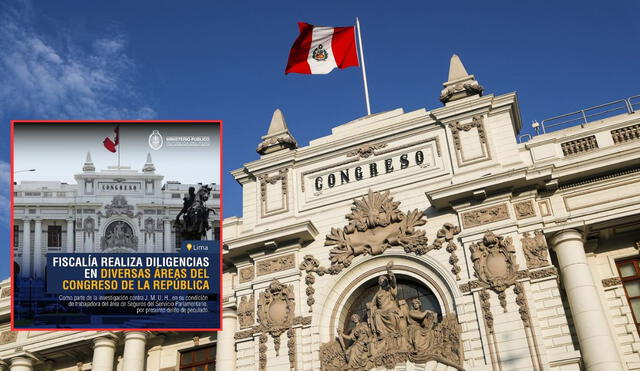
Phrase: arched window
(408, 289)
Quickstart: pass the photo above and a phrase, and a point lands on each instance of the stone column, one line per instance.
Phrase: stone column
(226, 343)
(70, 235)
(597, 345)
(167, 236)
(134, 351)
(25, 269)
(104, 350)
(21, 364)
(37, 250)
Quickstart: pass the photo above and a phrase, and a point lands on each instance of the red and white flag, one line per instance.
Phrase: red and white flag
(318, 50)
(109, 144)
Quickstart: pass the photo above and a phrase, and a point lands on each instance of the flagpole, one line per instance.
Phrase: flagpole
(364, 70)
(119, 148)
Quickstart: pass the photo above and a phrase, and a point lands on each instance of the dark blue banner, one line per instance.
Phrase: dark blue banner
(125, 290)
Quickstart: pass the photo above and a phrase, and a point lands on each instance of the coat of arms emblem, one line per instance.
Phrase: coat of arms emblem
(320, 54)
(155, 140)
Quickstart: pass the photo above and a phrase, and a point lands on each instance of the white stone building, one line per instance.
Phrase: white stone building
(530, 247)
(524, 255)
(80, 217)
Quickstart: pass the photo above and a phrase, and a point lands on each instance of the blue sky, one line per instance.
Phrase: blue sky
(225, 60)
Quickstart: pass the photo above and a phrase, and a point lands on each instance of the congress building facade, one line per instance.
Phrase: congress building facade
(424, 240)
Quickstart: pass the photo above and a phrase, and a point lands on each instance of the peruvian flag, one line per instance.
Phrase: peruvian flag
(111, 145)
(318, 50)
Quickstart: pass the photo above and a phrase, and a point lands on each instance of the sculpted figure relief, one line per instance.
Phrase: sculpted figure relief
(535, 249)
(387, 318)
(119, 235)
(357, 355)
(392, 333)
(421, 325)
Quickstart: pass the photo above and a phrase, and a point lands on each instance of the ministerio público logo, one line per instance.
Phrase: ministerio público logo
(155, 140)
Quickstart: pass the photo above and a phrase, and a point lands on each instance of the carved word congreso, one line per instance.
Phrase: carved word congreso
(371, 170)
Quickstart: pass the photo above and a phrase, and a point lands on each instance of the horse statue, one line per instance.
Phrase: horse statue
(195, 222)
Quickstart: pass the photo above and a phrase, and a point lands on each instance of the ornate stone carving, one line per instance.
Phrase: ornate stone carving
(281, 141)
(543, 273)
(366, 150)
(5, 293)
(309, 265)
(375, 225)
(494, 263)
(485, 216)
(246, 311)
(456, 127)
(277, 264)
(265, 179)
(245, 274)
(149, 229)
(291, 345)
(462, 89)
(613, 281)
(119, 235)
(7, 337)
(524, 209)
(447, 233)
(392, 334)
(471, 285)
(262, 351)
(523, 307)
(89, 227)
(119, 206)
(486, 309)
(276, 311)
(275, 316)
(535, 249)
(257, 329)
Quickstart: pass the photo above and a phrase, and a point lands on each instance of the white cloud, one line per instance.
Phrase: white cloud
(45, 79)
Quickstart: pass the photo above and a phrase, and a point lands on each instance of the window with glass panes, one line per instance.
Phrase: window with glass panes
(16, 236)
(54, 236)
(629, 270)
(198, 359)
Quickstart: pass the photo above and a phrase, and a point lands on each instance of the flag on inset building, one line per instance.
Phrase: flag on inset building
(111, 145)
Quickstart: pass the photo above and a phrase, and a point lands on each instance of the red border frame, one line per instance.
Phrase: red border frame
(11, 225)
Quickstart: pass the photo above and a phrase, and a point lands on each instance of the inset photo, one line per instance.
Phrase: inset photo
(116, 225)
